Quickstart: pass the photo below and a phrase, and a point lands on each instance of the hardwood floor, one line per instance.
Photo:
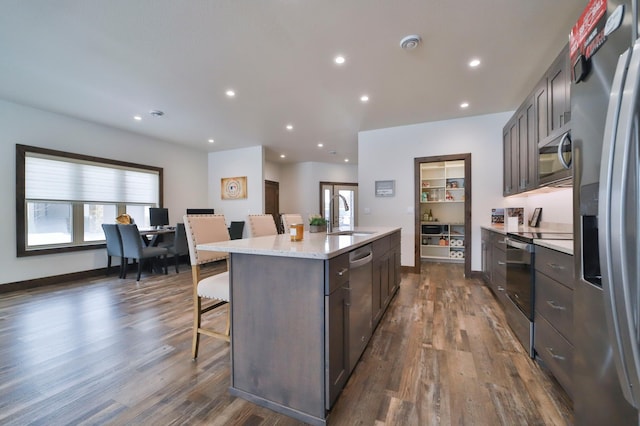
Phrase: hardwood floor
(110, 351)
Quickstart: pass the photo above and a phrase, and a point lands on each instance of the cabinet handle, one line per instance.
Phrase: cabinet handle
(554, 305)
(342, 271)
(501, 263)
(500, 288)
(554, 355)
(556, 266)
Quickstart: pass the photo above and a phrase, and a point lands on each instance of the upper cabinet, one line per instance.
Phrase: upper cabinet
(559, 89)
(545, 114)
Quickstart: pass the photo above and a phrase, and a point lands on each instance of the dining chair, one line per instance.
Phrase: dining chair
(262, 224)
(289, 219)
(180, 245)
(133, 248)
(114, 246)
(202, 229)
(235, 229)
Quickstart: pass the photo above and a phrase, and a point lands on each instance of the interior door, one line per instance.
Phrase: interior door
(339, 203)
(272, 201)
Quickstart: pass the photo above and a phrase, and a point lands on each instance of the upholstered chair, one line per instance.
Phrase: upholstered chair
(133, 248)
(289, 219)
(200, 229)
(261, 225)
(114, 246)
(180, 245)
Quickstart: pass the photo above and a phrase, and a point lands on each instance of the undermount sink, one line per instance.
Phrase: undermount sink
(352, 233)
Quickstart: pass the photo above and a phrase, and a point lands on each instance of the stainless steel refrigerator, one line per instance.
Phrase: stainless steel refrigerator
(605, 58)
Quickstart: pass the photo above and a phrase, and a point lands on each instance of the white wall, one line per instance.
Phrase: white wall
(388, 154)
(272, 171)
(237, 163)
(300, 184)
(185, 178)
(556, 204)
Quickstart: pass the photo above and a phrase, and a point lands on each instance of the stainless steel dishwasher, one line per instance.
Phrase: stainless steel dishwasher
(360, 309)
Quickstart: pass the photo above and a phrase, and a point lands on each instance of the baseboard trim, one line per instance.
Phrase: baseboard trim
(53, 280)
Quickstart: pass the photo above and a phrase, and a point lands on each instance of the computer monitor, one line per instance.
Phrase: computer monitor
(200, 211)
(158, 216)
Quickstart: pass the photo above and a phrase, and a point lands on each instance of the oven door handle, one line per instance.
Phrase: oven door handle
(519, 245)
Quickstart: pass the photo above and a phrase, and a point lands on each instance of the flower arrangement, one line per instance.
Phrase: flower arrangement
(317, 220)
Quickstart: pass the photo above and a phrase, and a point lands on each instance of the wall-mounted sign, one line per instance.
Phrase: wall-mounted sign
(385, 188)
(233, 188)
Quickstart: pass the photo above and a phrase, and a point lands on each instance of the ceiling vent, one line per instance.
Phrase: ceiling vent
(156, 113)
(410, 42)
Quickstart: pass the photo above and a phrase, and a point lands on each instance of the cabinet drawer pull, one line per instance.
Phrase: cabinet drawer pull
(556, 266)
(501, 263)
(342, 271)
(500, 288)
(554, 355)
(554, 305)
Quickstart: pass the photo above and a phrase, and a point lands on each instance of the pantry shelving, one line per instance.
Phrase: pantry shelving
(442, 210)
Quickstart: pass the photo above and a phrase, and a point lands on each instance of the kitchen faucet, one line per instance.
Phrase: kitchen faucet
(346, 208)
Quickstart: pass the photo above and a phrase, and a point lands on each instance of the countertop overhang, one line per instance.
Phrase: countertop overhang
(316, 245)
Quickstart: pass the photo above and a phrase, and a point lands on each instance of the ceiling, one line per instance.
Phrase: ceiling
(110, 60)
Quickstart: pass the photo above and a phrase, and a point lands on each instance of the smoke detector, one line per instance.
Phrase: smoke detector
(410, 42)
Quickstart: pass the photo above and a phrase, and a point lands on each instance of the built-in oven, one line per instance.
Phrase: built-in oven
(520, 289)
(554, 160)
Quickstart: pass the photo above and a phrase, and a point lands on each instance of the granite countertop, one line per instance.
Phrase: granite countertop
(318, 245)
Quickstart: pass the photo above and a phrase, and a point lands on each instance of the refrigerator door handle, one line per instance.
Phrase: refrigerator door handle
(620, 132)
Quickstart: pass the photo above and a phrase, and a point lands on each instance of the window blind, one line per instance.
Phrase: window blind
(62, 179)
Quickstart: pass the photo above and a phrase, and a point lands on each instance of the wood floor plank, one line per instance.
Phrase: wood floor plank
(112, 351)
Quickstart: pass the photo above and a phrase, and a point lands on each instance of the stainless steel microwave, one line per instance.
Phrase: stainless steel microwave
(554, 160)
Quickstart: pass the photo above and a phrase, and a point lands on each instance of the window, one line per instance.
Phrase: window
(62, 199)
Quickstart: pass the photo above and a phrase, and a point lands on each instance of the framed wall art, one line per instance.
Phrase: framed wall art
(535, 218)
(385, 188)
(233, 188)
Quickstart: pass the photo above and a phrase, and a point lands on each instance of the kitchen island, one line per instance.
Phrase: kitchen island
(296, 307)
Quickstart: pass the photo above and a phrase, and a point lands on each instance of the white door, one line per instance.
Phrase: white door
(339, 204)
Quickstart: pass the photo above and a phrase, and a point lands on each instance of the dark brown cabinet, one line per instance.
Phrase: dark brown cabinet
(545, 114)
(559, 90)
(386, 274)
(553, 319)
(494, 263)
(337, 320)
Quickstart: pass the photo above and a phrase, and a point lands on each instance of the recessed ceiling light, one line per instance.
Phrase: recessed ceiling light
(346, 160)
(289, 127)
(474, 63)
(211, 141)
(364, 98)
(283, 156)
(339, 59)
(464, 105)
(320, 145)
(230, 93)
(137, 117)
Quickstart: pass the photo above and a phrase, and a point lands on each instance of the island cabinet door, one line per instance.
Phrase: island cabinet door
(337, 341)
(336, 324)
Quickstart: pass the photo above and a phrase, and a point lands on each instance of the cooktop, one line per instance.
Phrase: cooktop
(530, 236)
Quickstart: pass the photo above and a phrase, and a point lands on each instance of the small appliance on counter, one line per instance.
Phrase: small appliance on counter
(497, 216)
